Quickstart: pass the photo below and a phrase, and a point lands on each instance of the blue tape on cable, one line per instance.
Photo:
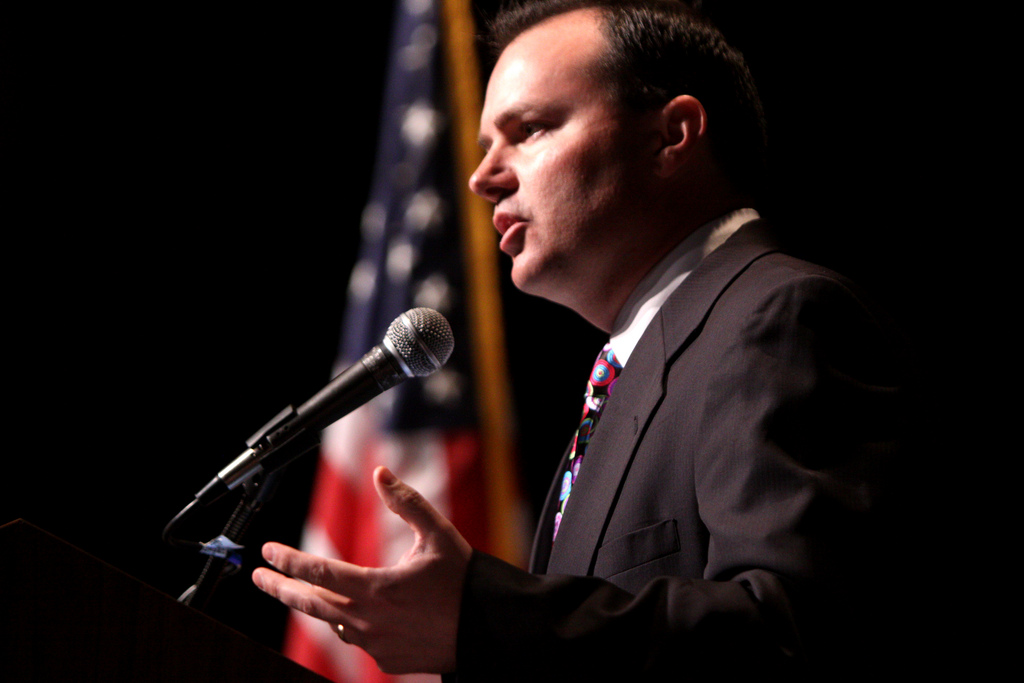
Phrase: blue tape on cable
(222, 547)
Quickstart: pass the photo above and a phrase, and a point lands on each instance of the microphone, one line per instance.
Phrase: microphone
(417, 343)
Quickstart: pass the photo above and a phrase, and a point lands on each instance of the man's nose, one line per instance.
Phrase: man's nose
(493, 179)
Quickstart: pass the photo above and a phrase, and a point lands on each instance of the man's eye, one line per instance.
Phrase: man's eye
(531, 129)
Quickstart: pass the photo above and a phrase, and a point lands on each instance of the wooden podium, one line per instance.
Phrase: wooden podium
(67, 616)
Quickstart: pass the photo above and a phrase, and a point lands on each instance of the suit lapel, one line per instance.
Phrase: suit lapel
(540, 553)
(638, 392)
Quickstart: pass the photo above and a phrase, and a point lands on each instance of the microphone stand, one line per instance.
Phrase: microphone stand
(257, 489)
(226, 561)
(417, 343)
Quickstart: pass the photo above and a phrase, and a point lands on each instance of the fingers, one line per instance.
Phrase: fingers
(313, 600)
(406, 615)
(334, 575)
(407, 503)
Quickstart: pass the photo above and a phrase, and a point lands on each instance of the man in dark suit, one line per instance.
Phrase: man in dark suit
(723, 519)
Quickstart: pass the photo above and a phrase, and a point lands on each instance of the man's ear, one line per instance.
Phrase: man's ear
(683, 125)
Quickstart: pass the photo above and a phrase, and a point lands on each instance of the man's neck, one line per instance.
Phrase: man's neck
(662, 280)
(655, 235)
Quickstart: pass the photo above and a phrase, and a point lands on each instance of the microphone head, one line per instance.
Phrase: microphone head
(423, 339)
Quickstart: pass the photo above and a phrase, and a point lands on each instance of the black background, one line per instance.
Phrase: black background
(181, 200)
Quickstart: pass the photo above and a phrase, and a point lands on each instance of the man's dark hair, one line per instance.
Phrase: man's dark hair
(659, 49)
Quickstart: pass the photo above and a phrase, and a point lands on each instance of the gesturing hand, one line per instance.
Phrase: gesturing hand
(405, 616)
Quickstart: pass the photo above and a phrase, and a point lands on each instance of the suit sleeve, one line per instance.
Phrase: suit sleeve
(796, 429)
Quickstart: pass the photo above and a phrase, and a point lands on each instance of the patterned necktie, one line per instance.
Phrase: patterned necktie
(599, 387)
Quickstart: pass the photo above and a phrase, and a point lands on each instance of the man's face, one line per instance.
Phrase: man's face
(565, 164)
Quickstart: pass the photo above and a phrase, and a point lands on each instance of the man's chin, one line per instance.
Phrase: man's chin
(526, 278)
(535, 283)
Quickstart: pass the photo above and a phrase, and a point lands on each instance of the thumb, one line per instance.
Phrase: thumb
(407, 502)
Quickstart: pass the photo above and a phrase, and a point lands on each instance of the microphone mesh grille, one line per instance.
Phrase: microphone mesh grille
(432, 336)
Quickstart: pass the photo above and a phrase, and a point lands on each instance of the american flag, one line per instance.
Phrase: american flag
(447, 435)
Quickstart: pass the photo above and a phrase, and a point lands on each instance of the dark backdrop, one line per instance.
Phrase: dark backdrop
(182, 192)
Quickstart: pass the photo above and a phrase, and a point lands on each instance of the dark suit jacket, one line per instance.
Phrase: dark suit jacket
(726, 517)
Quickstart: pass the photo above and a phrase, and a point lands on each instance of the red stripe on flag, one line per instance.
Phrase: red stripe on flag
(467, 487)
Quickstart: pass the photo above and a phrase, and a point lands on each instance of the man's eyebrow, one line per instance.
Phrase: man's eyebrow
(508, 115)
(503, 119)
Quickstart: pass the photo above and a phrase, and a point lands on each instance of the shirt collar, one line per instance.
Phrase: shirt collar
(652, 291)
